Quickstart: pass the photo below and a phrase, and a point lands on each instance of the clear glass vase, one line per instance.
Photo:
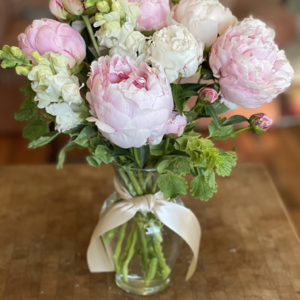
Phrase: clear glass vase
(144, 250)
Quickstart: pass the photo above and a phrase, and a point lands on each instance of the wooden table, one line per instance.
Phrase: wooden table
(248, 251)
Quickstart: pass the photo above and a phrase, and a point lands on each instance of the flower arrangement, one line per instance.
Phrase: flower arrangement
(116, 76)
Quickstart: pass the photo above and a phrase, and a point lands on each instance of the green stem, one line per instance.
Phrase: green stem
(152, 271)
(241, 130)
(119, 247)
(91, 33)
(166, 146)
(136, 156)
(128, 244)
(135, 183)
(161, 260)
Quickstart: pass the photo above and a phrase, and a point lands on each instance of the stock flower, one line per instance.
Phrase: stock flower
(177, 51)
(208, 96)
(260, 123)
(62, 8)
(52, 36)
(154, 14)
(250, 67)
(204, 18)
(176, 125)
(131, 103)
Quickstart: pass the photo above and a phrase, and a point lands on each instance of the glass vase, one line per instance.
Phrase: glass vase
(143, 249)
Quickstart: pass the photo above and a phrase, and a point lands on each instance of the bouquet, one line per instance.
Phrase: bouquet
(130, 80)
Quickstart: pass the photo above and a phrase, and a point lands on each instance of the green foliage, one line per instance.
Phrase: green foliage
(85, 135)
(43, 140)
(12, 57)
(204, 185)
(142, 155)
(158, 150)
(63, 151)
(172, 185)
(28, 108)
(220, 108)
(212, 112)
(235, 120)
(94, 161)
(225, 161)
(219, 134)
(36, 128)
(104, 153)
(177, 165)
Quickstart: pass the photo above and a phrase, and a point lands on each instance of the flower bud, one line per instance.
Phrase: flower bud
(66, 9)
(23, 70)
(16, 52)
(176, 125)
(260, 122)
(89, 3)
(118, 7)
(39, 59)
(208, 96)
(103, 7)
(99, 17)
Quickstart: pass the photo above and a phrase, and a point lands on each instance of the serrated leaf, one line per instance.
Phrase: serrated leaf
(219, 134)
(224, 162)
(104, 153)
(63, 151)
(93, 161)
(94, 142)
(36, 128)
(85, 135)
(235, 120)
(43, 140)
(172, 185)
(202, 187)
(178, 165)
(27, 110)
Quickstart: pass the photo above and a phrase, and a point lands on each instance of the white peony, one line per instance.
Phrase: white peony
(177, 51)
(67, 116)
(204, 18)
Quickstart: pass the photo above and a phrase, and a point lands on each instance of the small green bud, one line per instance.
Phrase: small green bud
(6, 49)
(1, 54)
(99, 17)
(16, 52)
(38, 58)
(118, 7)
(23, 70)
(8, 64)
(4, 64)
(89, 3)
(103, 7)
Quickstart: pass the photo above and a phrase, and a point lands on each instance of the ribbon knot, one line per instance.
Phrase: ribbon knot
(178, 218)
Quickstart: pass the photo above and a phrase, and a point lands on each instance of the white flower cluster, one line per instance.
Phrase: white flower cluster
(56, 90)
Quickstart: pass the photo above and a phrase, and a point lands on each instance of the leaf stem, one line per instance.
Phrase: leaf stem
(240, 130)
(91, 33)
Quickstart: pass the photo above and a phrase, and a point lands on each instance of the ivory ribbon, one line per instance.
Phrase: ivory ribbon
(178, 218)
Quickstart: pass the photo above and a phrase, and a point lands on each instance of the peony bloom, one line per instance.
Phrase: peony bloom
(204, 18)
(177, 51)
(154, 14)
(260, 123)
(250, 68)
(176, 125)
(62, 8)
(208, 96)
(132, 103)
(52, 36)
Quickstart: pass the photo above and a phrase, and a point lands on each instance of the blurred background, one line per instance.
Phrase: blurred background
(278, 149)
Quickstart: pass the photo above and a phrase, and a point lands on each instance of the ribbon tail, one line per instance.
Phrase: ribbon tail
(99, 258)
(182, 221)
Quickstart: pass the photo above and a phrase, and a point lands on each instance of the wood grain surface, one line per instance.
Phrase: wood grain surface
(248, 250)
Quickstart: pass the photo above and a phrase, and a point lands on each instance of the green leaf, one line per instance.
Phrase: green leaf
(192, 86)
(75, 130)
(178, 99)
(222, 134)
(190, 116)
(178, 165)
(172, 185)
(93, 161)
(211, 111)
(143, 153)
(148, 33)
(85, 135)
(224, 162)
(190, 127)
(43, 140)
(94, 142)
(36, 128)
(235, 120)
(104, 153)
(203, 186)
(177, 153)
(220, 108)
(27, 110)
(122, 152)
(189, 94)
(63, 151)
(158, 150)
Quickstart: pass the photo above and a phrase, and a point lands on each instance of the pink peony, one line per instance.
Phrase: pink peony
(154, 14)
(251, 69)
(208, 96)
(62, 8)
(51, 36)
(132, 103)
(176, 125)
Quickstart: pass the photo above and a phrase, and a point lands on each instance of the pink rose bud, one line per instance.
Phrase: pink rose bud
(260, 123)
(176, 125)
(208, 96)
(154, 14)
(66, 9)
(52, 36)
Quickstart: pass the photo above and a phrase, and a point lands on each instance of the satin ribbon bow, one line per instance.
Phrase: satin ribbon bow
(178, 218)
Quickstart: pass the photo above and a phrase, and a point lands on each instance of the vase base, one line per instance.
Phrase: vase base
(137, 286)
